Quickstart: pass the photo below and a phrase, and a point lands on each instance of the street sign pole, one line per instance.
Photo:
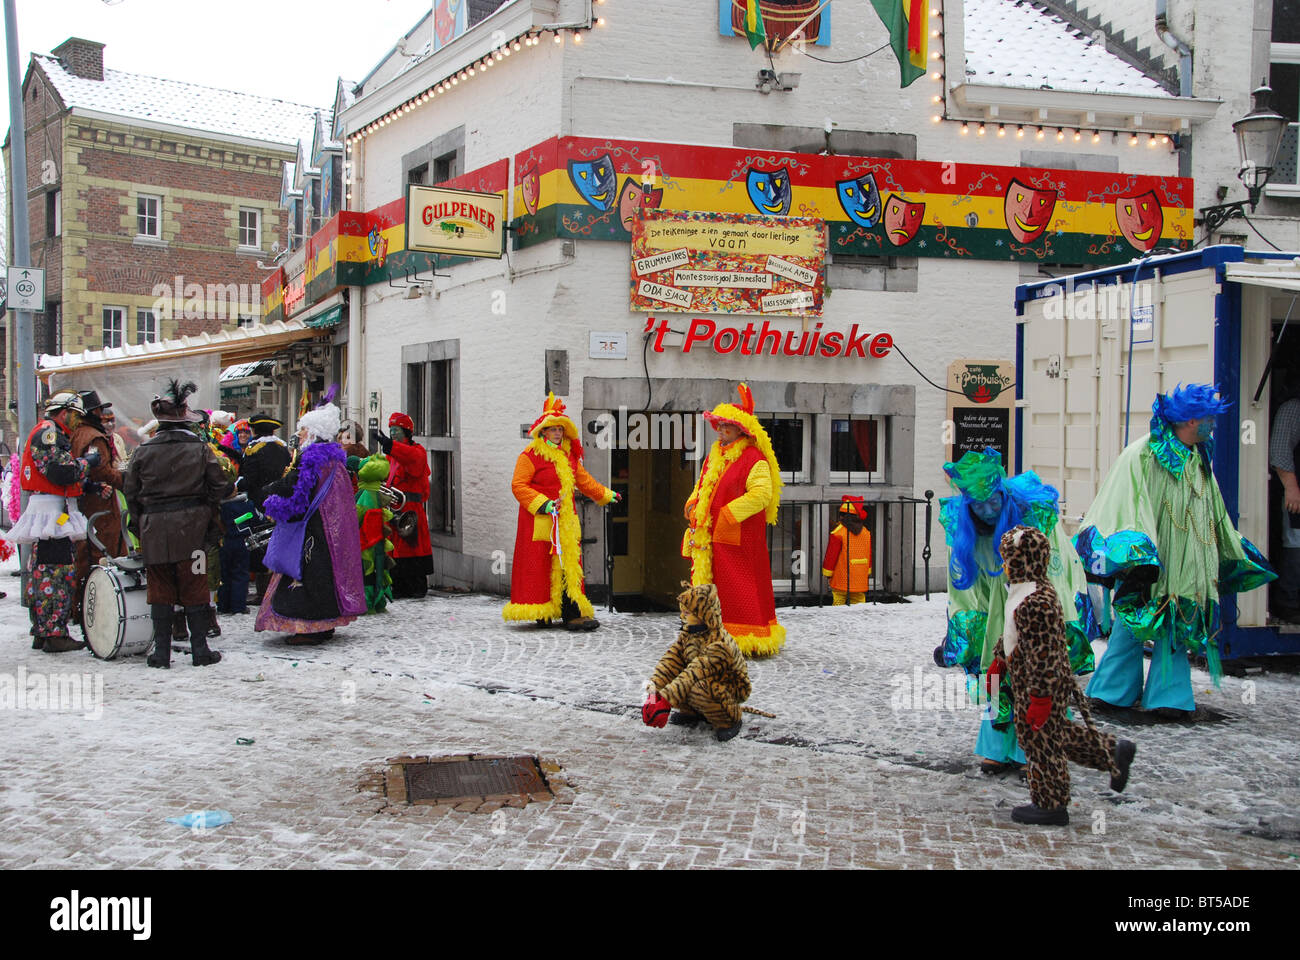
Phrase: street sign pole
(22, 348)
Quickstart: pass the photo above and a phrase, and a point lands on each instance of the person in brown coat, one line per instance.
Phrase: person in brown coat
(174, 487)
(98, 493)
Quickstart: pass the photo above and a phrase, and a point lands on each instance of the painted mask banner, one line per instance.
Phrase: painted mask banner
(592, 188)
(727, 263)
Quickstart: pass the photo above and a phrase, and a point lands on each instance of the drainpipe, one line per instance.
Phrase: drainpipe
(1175, 43)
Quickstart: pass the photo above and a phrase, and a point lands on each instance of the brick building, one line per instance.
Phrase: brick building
(150, 201)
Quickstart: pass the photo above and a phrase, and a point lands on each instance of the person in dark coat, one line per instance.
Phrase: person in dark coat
(174, 487)
(265, 460)
(98, 493)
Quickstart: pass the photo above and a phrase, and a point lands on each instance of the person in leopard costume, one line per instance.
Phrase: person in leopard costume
(1033, 649)
(703, 674)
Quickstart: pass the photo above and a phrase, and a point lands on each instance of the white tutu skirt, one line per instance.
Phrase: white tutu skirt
(40, 521)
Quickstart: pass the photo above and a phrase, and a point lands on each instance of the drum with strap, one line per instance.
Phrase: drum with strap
(116, 611)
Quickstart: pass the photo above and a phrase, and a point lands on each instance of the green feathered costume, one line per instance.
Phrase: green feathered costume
(374, 517)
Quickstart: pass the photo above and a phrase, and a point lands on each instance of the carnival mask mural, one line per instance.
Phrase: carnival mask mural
(530, 185)
(595, 181)
(1028, 211)
(860, 199)
(902, 220)
(633, 197)
(1140, 219)
(770, 191)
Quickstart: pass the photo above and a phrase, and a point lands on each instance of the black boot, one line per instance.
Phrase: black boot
(1124, 751)
(179, 633)
(161, 656)
(723, 734)
(198, 621)
(1039, 817)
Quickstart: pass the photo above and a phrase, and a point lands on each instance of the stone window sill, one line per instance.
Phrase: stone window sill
(143, 241)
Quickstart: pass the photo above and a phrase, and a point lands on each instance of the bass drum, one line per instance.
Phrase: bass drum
(116, 613)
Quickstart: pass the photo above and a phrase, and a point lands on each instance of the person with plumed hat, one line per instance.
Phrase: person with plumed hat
(174, 487)
(99, 492)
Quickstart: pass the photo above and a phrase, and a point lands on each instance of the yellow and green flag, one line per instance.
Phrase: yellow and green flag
(754, 24)
(907, 22)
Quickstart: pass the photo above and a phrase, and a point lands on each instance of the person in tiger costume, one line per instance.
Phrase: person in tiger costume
(703, 674)
(736, 497)
(1032, 651)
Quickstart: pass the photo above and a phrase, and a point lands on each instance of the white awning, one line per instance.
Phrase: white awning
(1285, 276)
(241, 345)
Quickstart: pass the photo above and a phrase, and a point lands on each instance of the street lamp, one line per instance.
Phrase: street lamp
(1259, 134)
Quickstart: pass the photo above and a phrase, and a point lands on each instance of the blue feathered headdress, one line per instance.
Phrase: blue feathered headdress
(1192, 402)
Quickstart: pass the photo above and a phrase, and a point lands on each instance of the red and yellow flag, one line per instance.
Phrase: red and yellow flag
(908, 23)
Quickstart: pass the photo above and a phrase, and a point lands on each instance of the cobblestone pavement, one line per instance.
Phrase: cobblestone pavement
(867, 764)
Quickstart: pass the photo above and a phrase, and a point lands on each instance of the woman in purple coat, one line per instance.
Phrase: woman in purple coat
(328, 590)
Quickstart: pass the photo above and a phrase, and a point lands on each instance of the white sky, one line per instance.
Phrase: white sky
(291, 49)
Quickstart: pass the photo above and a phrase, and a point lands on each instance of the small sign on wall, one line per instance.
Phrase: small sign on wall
(981, 411)
(608, 346)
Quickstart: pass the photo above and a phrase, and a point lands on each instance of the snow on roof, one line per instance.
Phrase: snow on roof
(135, 96)
(1012, 43)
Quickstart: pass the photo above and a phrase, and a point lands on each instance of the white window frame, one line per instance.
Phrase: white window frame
(859, 476)
(151, 331)
(1283, 53)
(796, 476)
(118, 329)
(142, 219)
(257, 228)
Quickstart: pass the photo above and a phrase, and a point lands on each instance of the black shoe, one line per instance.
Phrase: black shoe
(995, 767)
(679, 719)
(543, 624)
(38, 643)
(582, 624)
(307, 639)
(1172, 713)
(179, 631)
(1029, 813)
(1124, 751)
(62, 645)
(725, 733)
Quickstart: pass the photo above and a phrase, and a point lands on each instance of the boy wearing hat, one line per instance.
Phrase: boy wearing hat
(99, 492)
(174, 487)
(53, 478)
(546, 578)
(265, 460)
(1159, 534)
(847, 564)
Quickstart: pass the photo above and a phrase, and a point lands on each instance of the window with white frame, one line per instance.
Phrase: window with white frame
(791, 435)
(250, 228)
(114, 323)
(857, 450)
(146, 326)
(148, 216)
(1284, 78)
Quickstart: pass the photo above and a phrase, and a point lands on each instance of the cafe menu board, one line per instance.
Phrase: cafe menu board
(691, 262)
(981, 410)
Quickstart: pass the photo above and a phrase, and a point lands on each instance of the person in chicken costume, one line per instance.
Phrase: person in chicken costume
(736, 496)
(847, 564)
(546, 580)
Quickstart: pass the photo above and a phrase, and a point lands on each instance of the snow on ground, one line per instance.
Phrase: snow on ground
(868, 762)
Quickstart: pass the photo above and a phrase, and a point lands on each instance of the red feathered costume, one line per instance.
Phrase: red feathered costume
(548, 558)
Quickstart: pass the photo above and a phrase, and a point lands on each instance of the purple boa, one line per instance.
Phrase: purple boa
(310, 464)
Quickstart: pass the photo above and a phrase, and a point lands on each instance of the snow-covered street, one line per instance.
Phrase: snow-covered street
(867, 764)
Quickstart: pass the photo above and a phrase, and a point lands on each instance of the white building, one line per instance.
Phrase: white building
(679, 106)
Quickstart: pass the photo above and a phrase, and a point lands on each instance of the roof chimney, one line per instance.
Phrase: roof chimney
(84, 58)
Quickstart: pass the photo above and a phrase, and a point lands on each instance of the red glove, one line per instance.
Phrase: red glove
(998, 669)
(655, 710)
(1039, 710)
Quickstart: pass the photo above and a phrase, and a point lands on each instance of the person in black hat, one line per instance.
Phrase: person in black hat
(174, 487)
(98, 493)
(266, 459)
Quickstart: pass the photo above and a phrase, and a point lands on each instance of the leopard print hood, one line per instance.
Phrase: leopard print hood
(1025, 555)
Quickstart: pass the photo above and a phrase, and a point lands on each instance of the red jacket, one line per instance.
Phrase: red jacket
(409, 473)
(31, 478)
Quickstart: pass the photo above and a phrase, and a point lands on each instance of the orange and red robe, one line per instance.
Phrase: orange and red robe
(848, 569)
(547, 560)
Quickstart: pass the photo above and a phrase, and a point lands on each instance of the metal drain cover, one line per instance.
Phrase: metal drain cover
(457, 779)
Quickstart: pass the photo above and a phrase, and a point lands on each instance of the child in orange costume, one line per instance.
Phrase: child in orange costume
(847, 564)
(546, 580)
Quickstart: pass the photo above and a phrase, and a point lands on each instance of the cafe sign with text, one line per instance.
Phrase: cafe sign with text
(459, 223)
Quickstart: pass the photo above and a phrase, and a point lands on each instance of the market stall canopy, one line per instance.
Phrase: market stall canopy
(1279, 274)
(242, 345)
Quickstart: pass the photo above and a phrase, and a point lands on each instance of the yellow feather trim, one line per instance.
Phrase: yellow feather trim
(756, 645)
(570, 529)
